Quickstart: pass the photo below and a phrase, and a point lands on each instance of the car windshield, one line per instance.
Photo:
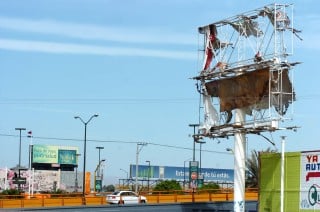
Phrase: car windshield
(116, 193)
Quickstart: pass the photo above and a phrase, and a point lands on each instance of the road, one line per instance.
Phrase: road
(183, 207)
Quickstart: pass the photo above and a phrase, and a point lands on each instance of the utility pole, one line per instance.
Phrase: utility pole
(139, 148)
(148, 161)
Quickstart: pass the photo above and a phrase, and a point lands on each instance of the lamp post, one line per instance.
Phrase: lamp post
(84, 150)
(194, 139)
(20, 129)
(184, 172)
(201, 142)
(148, 161)
(98, 182)
(99, 148)
(76, 180)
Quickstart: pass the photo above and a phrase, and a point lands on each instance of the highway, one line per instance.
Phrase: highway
(183, 207)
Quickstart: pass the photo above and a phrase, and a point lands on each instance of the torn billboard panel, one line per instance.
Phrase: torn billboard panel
(251, 90)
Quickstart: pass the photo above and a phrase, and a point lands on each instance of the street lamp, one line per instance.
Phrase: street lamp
(194, 139)
(229, 150)
(76, 180)
(184, 172)
(20, 129)
(99, 148)
(84, 150)
(98, 182)
(148, 161)
(201, 142)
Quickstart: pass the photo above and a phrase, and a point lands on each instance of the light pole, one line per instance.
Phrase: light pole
(76, 180)
(99, 148)
(98, 182)
(194, 139)
(201, 142)
(20, 129)
(148, 161)
(184, 172)
(84, 150)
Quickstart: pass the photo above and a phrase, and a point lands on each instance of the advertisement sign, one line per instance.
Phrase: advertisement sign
(310, 180)
(193, 173)
(181, 173)
(54, 154)
(67, 156)
(98, 185)
(301, 191)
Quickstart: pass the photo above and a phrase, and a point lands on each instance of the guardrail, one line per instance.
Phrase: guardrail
(76, 199)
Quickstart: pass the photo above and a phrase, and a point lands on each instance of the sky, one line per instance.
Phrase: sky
(130, 61)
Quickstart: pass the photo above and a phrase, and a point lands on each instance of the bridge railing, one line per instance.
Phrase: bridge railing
(76, 199)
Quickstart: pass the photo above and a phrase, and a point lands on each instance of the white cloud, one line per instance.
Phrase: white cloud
(97, 32)
(63, 48)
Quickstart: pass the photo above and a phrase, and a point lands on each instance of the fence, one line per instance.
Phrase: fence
(54, 200)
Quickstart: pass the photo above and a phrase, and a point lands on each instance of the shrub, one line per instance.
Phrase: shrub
(169, 186)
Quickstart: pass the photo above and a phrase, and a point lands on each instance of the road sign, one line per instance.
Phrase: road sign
(21, 180)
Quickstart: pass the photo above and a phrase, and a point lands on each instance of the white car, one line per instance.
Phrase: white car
(125, 197)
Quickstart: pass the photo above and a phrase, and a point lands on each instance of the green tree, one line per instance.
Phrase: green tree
(168, 186)
(109, 188)
(253, 168)
(210, 187)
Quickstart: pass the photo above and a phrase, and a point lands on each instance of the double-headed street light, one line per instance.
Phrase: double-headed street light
(84, 149)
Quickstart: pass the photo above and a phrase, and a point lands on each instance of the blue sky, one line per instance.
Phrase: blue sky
(130, 62)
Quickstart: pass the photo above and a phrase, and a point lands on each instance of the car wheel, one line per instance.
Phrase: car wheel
(121, 202)
(143, 201)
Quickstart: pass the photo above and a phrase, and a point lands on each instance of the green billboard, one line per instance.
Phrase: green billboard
(54, 154)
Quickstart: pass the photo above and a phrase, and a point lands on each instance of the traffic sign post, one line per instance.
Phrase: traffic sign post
(19, 180)
(193, 173)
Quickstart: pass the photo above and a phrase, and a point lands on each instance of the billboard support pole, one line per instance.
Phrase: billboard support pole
(239, 163)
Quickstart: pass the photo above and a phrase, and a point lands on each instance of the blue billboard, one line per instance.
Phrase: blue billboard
(180, 173)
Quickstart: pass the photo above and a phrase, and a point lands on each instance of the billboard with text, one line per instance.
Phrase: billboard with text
(54, 154)
(181, 173)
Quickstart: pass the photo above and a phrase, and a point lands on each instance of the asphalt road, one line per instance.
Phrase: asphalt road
(183, 207)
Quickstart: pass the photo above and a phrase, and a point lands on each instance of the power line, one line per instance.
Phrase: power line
(95, 101)
(115, 141)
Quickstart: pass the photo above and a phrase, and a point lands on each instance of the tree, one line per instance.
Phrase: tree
(252, 165)
(210, 187)
(168, 186)
(109, 188)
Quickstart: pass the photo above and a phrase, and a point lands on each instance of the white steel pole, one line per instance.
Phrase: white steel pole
(282, 174)
(137, 164)
(6, 179)
(239, 163)
(32, 181)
